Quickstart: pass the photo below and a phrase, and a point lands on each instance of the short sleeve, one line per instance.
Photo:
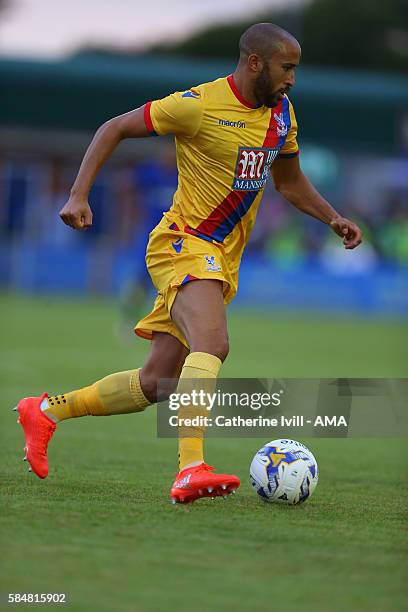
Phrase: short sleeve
(291, 148)
(179, 113)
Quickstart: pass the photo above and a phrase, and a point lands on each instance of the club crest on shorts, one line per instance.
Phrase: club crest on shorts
(252, 168)
(212, 265)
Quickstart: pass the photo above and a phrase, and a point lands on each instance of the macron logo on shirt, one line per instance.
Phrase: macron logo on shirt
(191, 94)
(227, 123)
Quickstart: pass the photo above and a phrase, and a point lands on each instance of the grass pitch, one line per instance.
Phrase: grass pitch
(101, 529)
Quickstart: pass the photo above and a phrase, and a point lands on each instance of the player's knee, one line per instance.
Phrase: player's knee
(215, 344)
(222, 349)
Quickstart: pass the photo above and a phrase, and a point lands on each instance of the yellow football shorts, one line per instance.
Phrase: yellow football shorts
(175, 257)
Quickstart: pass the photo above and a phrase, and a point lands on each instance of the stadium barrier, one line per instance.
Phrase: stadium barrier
(310, 286)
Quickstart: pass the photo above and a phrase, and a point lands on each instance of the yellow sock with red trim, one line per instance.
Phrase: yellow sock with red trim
(118, 393)
(200, 371)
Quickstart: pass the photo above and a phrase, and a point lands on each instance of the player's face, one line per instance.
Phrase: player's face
(277, 75)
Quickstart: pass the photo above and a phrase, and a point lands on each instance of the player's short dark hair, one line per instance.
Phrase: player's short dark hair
(263, 39)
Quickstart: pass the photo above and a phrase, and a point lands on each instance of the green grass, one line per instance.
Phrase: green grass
(100, 528)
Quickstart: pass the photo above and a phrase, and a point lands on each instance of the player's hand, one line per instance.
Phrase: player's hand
(76, 213)
(349, 231)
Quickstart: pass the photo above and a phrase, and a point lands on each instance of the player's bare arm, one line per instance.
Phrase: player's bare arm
(295, 187)
(77, 213)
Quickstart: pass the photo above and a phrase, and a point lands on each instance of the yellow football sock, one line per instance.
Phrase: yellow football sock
(118, 393)
(196, 367)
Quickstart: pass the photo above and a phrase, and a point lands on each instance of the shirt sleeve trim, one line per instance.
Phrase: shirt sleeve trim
(148, 119)
(289, 155)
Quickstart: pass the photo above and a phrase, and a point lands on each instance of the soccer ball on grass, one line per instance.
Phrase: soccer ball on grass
(284, 472)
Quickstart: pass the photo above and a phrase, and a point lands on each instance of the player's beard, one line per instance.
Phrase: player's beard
(263, 88)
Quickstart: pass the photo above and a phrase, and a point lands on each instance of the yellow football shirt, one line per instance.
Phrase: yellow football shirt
(225, 148)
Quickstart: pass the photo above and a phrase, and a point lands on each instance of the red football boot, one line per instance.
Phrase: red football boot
(200, 481)
(38, 431)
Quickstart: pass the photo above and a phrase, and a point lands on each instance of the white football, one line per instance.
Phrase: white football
(284, 472)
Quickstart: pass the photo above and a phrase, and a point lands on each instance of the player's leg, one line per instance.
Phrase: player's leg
(122, 392)
(199, 312)
(165, 361)
(119, 393)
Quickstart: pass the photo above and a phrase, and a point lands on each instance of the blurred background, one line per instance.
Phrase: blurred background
(305, 307)
(65, 68)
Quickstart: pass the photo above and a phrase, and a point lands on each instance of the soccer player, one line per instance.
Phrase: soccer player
(230, 134)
